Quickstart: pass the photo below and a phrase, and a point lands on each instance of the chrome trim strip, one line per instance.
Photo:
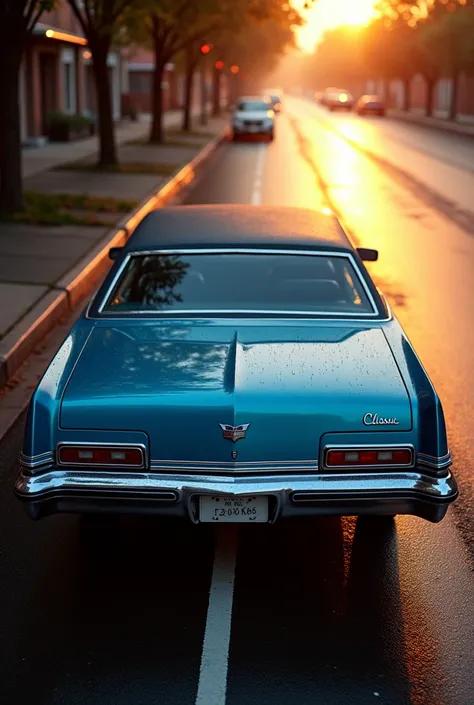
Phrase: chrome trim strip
(65, 482)
(256, 463)
(125, 446)
(431, 461)
(370, 446)
(213, 467)
(244, 250)
(35, 461)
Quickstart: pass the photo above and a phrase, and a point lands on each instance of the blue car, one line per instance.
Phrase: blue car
(237, 365)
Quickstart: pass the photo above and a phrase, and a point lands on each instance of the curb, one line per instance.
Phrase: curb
(82, 279)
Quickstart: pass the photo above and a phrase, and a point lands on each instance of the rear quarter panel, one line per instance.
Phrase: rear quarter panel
(428, 418)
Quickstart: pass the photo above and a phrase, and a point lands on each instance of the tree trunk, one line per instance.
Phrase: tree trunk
(453, 108)
(107, 146)
(11, 187)
(156, 132)
(216, 92)
(406, 94)
(203, 94)
(429, 96)
(188, 89)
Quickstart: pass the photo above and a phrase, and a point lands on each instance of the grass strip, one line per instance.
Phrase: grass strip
(124, 168)
(52, 209)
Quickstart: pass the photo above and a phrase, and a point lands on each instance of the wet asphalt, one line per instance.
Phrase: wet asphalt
(324, 611)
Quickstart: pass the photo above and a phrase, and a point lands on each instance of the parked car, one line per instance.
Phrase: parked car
(370, 105)
(338, 99)
(253, 116)
(237, 364)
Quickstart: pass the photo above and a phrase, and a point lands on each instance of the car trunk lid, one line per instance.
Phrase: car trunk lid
(181, 383)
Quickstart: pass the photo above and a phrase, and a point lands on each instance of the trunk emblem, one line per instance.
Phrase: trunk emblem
(234, 433)
(376, 420)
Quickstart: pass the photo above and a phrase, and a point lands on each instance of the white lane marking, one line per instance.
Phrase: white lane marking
(257, 184)
(215, 651)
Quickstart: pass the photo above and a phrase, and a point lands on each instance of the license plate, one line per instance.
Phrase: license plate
(253, 128)
(223, 508)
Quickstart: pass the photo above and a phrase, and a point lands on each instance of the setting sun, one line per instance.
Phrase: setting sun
(327, 14)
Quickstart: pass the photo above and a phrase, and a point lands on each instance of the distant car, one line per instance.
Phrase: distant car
(327, 92)
(338, 100)
(370, 105)
(253, 116)
(237, 365)
(276, 102)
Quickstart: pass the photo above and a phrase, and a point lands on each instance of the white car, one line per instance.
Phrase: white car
(253, 116)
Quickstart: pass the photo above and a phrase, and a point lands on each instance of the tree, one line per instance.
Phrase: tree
(169, 27)
(189, 60)
(440, 40)
(17, 20)
(99, 20)
(172, 26)
(266, 32)
(452, 29)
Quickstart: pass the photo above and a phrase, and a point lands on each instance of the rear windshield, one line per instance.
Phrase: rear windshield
(217, 282)
(249, 105)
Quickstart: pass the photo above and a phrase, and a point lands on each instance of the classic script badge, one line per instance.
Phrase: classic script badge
(376, 420)
(234, 433)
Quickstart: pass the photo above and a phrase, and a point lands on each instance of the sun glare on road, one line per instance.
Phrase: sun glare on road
(327, 14)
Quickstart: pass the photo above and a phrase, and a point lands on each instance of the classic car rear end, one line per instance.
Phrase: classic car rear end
(313, 405)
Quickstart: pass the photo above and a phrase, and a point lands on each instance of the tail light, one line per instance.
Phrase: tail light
(108, 456)
(369, 457)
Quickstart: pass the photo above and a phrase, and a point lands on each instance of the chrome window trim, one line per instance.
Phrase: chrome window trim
(243, 250)
(368, 446)
(125, 446)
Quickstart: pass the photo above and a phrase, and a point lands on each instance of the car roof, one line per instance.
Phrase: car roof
(224, 226)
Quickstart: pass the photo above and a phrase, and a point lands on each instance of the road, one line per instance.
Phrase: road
(324, 611)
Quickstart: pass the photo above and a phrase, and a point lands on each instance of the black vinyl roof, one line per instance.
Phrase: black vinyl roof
(215, 226)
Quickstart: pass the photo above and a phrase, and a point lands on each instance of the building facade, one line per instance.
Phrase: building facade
(139, 69)
(56, 74)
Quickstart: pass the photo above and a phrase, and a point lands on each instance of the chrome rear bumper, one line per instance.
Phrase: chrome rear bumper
(398, 492)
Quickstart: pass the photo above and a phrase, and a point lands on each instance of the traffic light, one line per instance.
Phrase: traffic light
(234, 68)
(219, 65)
(205, 48)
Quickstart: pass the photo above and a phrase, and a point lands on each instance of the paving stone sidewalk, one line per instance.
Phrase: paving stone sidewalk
(33, 258)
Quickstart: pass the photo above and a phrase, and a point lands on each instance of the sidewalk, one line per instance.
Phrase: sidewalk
(38, 262)
(38, 159)
(464, 129)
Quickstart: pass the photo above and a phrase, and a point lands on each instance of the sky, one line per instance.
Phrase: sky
(326, 14)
